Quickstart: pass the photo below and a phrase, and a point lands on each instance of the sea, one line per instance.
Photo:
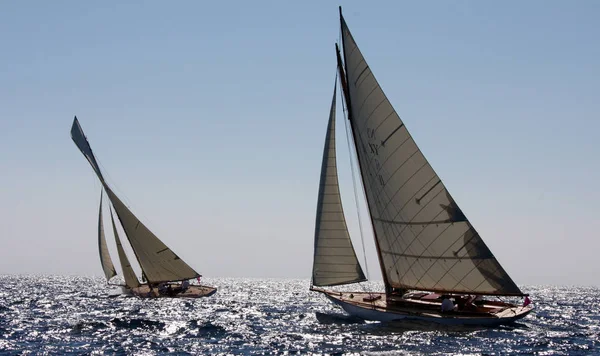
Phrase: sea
(60, 315)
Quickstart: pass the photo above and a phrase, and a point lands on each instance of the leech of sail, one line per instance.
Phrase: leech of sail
(335, 261)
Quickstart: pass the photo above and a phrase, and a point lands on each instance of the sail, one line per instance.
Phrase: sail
(82, 143)
(130, 278)
(158, 262)
(425, 241)
(335, 260)
(107, 265)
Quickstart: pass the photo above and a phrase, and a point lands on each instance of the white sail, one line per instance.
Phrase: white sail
(130, 278)
(335, 260)
(105, 260)
(82, 143)
(424, 239)
(158, 262)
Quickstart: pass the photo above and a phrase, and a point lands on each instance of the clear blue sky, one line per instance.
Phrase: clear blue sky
(209, 118)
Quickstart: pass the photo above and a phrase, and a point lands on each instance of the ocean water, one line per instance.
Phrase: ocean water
(74, 315)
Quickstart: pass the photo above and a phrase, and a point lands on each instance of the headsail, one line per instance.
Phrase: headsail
(425, 241)
(335, 260)
(107, 265)
(130, 278)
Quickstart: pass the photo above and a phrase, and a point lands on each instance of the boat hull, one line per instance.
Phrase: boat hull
(193, 291)
(379, 310)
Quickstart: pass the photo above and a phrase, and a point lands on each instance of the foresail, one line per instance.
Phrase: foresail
(158, 262)
(425, 240)
(335, 260)
(105, 260)
(130, 278)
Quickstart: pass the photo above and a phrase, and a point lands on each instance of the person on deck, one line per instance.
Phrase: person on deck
(162, 288)
(447, 305)
(185, 285)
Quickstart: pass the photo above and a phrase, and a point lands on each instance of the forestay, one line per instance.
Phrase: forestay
(131, 280)
(425, 240)
(105, 260)
(335, 260)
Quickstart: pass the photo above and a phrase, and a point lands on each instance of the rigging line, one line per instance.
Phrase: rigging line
(348, 138)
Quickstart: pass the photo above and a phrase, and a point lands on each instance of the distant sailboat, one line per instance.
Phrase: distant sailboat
(161, 267)
(431, 257)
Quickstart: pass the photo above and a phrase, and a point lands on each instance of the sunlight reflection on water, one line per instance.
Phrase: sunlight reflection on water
(60, 315)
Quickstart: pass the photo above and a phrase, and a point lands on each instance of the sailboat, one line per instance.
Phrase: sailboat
(435, 266)
(164, 273)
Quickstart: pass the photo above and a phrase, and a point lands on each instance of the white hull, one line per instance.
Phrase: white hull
(380, 312)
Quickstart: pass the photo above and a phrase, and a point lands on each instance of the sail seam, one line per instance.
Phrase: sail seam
(416, 238)
(391, 199)
(410, 199)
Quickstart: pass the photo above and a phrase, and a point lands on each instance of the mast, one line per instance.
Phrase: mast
(344, 81)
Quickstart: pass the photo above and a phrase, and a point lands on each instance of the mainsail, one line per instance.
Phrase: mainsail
(131, 280)
(425, 241)
(105, 260)
(335, 260)
(158, 262)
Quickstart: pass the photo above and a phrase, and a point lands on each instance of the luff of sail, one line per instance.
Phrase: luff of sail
(158, 262)
(131, 280)
(425, 241)
(105, 260)
(335, 260)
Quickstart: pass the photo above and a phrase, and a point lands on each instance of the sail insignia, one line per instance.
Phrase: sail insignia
(425, 240)
(335, 260)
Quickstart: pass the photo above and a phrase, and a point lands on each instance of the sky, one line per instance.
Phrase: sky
(208, 119)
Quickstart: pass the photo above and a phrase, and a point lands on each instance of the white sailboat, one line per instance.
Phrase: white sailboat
(165, 274)
(431, 257)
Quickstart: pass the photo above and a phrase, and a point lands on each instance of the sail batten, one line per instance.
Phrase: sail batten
(105, 260)
(131, 280)
(335, 261)
(424, 239)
